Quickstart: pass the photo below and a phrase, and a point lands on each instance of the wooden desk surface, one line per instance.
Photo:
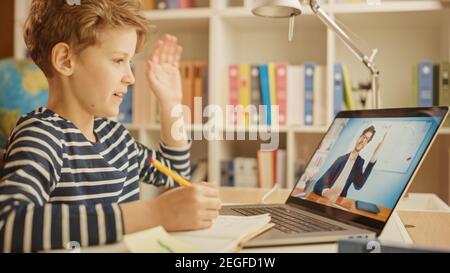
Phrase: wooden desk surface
(252, 195)
(428, 228)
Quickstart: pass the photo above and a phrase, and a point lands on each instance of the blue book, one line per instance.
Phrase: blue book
(172, 4)
(338, 88)
(425, 84)
(309, 86)
(265, 93)
(125, 109)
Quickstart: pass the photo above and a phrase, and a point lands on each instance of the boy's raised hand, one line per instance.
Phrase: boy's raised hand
(189, 208)
(163, 70)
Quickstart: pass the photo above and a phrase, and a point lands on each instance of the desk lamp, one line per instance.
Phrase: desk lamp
(292, 8)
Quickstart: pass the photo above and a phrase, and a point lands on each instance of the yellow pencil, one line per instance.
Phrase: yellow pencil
(180, 180)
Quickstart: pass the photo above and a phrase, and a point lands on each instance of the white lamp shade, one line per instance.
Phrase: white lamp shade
(276, 8)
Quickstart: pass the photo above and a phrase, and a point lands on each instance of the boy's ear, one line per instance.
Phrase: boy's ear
(62, 59)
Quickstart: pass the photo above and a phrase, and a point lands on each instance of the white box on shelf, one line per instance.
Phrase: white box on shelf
(423, 202)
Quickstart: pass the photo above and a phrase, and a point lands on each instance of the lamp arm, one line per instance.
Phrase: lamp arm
(367, 61)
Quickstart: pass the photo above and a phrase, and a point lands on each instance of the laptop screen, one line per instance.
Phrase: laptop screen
(365, 162)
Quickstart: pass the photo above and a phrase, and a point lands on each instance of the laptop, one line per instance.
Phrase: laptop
(354, 180)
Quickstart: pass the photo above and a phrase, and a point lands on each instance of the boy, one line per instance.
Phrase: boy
(72, 175)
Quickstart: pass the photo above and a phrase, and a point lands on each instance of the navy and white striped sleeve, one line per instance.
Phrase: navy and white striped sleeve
(176, 159)
(28, 222)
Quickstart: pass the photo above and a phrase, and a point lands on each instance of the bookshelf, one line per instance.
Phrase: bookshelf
(225, 32)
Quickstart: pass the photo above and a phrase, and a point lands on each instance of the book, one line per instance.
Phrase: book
(265, 93)
(256, 93)
(244, 93)
(444, 87)
(266, 168)
(348, 97)
(148, 4)
(309, 98)
(338, 88)
(228, 233)
(319, 96)
(295, 92)
(273, 95)
(233, 80)
(155, 240)
(425, 84)
(281, 79)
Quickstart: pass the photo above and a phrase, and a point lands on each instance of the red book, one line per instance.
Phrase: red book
(281, 91)
(185, 4)
(233, 77)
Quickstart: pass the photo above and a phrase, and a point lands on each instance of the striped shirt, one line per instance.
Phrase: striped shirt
(57, 187)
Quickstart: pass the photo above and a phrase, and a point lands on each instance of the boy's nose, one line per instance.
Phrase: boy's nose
(129, 78)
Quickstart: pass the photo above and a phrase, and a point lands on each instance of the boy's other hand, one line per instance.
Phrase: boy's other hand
(189, 208)
(163, 70)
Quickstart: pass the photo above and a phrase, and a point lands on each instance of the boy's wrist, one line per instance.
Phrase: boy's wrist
(169, 104)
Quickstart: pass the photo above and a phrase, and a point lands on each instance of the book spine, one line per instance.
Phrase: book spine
(185, 4)
(273, 94)
(233, 76)
(244, 93)
(265, 93)
(444, 87)
(162, 4)
(319, 93)
(148, 4)
(348, 91)
(338, 88)
(281, 90)
(309, 82)
(425, 84)
(255, 93)
(172, 4)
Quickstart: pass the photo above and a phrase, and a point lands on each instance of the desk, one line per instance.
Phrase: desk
(393, 232)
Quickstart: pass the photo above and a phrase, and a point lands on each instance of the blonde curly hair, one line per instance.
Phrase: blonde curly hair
(53, 21)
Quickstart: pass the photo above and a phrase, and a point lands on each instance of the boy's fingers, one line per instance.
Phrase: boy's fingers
(209, 215)
(213, 204)
(178, 52)
(172, 49)
(165, 49)
(209, 191)
(156, 54)
(210, 184)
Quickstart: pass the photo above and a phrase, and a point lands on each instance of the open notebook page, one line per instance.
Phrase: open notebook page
(226, 233)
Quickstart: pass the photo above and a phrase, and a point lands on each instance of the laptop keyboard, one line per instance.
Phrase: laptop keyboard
(289, 221)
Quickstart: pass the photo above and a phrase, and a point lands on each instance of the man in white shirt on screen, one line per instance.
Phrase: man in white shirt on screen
(348, 169)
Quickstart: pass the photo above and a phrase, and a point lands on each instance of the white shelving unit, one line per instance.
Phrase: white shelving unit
(405, 32)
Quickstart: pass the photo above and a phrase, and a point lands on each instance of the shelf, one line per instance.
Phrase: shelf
(392, 6)
(244, 20)
(157, 127)
(310, 129)
(178, 14)
(394, 19)
(180, 20)
(445, 131)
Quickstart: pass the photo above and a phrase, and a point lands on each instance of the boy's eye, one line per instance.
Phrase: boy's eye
(119, 61)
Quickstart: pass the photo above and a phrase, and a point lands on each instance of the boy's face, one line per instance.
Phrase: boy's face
(103, 73)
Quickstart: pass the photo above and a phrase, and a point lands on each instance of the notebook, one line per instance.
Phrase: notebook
(227, 234)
